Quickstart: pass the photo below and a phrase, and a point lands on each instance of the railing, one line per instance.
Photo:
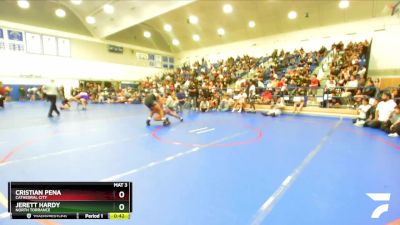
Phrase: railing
(338, 97)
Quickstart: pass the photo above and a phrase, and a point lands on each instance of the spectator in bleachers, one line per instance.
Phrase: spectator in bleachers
(224, 104)
(350, 90)
(335, 101)
(314, 84)
(362, 80)
(341, 81)
(266, 97)
(330, 83)
(204, 105)
(370, 89)
(352, 85)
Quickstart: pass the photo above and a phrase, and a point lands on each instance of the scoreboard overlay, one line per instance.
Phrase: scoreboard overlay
(70, 200)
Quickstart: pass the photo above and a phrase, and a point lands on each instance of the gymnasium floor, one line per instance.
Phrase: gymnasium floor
(212, 169)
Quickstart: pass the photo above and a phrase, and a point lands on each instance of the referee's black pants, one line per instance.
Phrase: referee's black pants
(53, 107)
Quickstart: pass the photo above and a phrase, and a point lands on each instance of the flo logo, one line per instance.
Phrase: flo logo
(380, 197)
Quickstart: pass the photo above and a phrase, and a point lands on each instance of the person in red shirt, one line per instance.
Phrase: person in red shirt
(266, 97)
(314, 85)
(2, 95)
(280, 83)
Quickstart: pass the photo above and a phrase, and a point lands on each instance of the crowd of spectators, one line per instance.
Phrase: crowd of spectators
(347, 81)
(97, 94)
(284, 78)
(296, 76)
(102, 94)
(30, 93)
(382, 113)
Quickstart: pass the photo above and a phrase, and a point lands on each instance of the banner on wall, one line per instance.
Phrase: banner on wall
(171, 62)
(165, 62)
(33, 43)
(152, 61)
(64, 47)
(49, 45)
(142, 56)
(158, 60)
(2, 45)
(15, 40)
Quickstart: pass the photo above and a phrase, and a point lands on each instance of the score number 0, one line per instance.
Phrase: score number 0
(121, 206)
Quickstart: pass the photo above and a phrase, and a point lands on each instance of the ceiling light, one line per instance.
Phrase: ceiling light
(175, 42)
(109, 9)
(196, 37)
(147, 34)
(292, 15)
(167, 27)
(60, 12)
(24, 4)
(228, 8)
(221, 31)
(76, 2)
(344, 4)
(252, 24)
(193, 19)
(90, 20)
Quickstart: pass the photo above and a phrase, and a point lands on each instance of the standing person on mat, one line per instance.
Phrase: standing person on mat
(152, 101)
(51, 93)
(252, 101)
(242, 100)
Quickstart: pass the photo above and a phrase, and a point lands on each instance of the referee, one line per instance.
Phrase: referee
(51, 93)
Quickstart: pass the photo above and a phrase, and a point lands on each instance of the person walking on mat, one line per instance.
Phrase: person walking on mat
(51, 93)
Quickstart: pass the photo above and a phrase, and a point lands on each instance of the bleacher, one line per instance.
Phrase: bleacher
(289, 65)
